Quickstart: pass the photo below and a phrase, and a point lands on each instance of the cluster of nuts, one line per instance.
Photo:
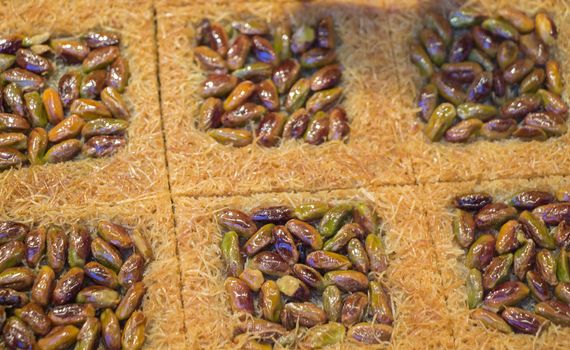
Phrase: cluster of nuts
(79, 290)
(314, 266)
(495, 75)
(517, 253)
(275, 84)
(83, 112)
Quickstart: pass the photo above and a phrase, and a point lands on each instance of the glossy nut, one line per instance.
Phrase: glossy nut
(554, 77)
(286, 74)
(501, 29)
(328, 261)
(263, 50)
(498, 129)
(562, 235)
(268, 95)
(89, 109)
(472, 201)
(259, 241)
(68, 128)
(529, 200)
(440, 25)
(518, 70)
(463, 131)
(343, 236)
(474, 287)
(535, 228)
(293, 288)
(491, 320)
(461, 48)
(96, 39)
(562, 292)
(68, 87)
(470, 110)
(256, 71)
(306, 233)
(545, 28)
(79, 246)
(252, 26)
(110, 330)
(282, 40)
(106, 254)
(420, 58)
(298, 94)
(284, 244)
(103, 146)
(562, 268)
(334, 219)
(481, 252)
(241, 93)
(209, 59)
(482, 59)
(493, 215)
(131, 271)
(339, 129)
(70, 50)
(35, 108)
(253, 278)
(553, 103)
(440, 120)
(270, 301)
(509, 237)
(524, 258)
(530, 133)
(506, 294)
(376, 253)
(539, 289)
(481, 87)
(427, 101)
(555, 311)
(507, 54)
(130, 301)
(92, 84)
(524, 321)
(133, 336)
(70, 314)
(497, 271)
(332, 303)
(17, 335)
(101, 275)
(484, 41)
(67, 286)
(305, 314)
(118, 74)
(113, 100)
(234, 137)
(12, 298)
(218, 38)
(34, 316)
(238, 221)
(25, 80)
(56, 248)
(326, 77)
(270, 263)
(380, 303)
(534, 48)
(12, 253)
(348, 281)
(545, 266)
(270, 128)
(325, 33)
(59, 338)
(533, 81)
(239, 295)
(324, 335)
(318, 128)
(114, 234)
(43, 285)
(311, 211)
(13, 122)
(309, 276)
(210, 114)
(434, 46)
(358, 256)
(302, 39)
(238, 52)
(554, 213)
(370, 333)
(353, 309)
(99, 296)
(14, 100)
(518, 19)
(100, 58)
(266, 330)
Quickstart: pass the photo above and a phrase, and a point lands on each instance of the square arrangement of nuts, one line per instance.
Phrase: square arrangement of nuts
(275, 259)
(517, 253)
(495, 75)
(79, 289)
(61, 97)
(276, 82)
